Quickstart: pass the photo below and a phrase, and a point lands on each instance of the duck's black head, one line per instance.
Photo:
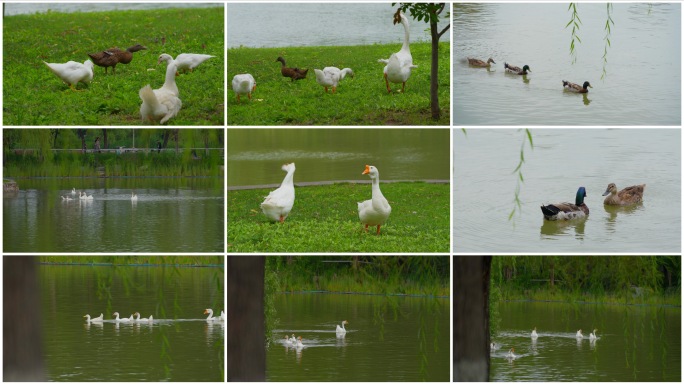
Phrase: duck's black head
(280, 58)
(586, 84)
(581, 194)
(526, 68)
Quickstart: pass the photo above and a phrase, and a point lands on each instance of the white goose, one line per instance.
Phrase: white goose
(211, 315)
(331, 77)
(579, 334)
(299, 342)
(511, 354)
(342, 329)
(161, 104)
(244, 84)
(592, 336)
(534, 333)
(376, 210)
(94, 319)
(134, 197)
(73, 72)
(73, 191)
(293, 340)
(137, 318)
(190, 61)
(399, 65)
(150, 319)
(81, 196)
(120, 320)
(278, 204)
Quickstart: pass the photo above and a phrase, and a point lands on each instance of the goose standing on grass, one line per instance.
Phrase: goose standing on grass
(73, 72)
(278, 204)
(94, 319)
(341, 330)
(375, 211)
(244, 84)
(579, 334)
(534, 333)
(116, 314)
(189, 61)
(159, 105)
(400, 64)
(331, 77)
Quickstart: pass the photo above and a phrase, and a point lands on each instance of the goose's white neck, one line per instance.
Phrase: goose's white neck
(170, 79)
(211, 312)
(288, 180)
(404, 22)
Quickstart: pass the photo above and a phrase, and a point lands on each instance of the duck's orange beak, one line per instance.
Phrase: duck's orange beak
(367, 170)
(205, 311)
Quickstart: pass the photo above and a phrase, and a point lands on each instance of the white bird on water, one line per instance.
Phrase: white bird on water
(592, 336)
(534, 333)
(579, 334)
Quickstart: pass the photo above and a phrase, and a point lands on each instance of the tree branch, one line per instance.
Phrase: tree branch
(443, 30)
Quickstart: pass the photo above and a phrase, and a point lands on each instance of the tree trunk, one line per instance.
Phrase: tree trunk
(471, 317)
(246, 328)
(22, 335)
(105, 142)
(434, 68)
(552, 276)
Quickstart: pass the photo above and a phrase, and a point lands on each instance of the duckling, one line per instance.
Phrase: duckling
(572, 87)
(114, 56)
(73, 72)
(517, 70)
(292, 73)
(567, 211)
(627, 196)
(480, 63)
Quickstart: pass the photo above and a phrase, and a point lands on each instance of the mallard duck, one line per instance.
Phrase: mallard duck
(190, 61)
(627, 196)
(576, 87)
(244, 84)
(161, 104)
(114, 56)
(292, 73)
(517, 70)
(278, 204)
(480, 63)
(566, 211)
(73, 72)
(399, 64)
(331, 76)
(376, 210)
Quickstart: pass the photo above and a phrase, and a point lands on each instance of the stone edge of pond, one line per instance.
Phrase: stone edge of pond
(322, 183)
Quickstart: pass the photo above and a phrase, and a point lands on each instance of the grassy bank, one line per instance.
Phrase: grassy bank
(325, 219)
(139, 164)
(196, 261)
(362, 100)
(390, 275)
(35, 96)
(624, 297)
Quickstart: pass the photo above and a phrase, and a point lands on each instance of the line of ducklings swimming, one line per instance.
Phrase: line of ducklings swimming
(158, 105)
(135, 317)
(572, 87)
(534, 336)
(566, 211)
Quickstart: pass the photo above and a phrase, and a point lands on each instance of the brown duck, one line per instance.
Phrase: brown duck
(114, 56)
(292, 73)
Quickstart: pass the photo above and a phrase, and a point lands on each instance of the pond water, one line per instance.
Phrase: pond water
(298, 24)
(256, 155)
(171, 215)
(562, 161)
(388, 339)
(78, 351)
(642, 85)
(635, 343)
(26, 8)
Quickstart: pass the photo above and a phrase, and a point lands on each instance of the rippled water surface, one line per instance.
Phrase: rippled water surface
(634, 343)
(642, 84)
(563, 160)
(388, 339)
(169, 216)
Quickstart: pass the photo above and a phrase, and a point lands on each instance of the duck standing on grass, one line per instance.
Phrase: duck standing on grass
(72, 72)
(189, 61)
(292, 73)
(278, 204)
(244, 84)
(114, 56)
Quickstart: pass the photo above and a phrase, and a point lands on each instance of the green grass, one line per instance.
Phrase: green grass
(135, 260)
(35, 96)
(362, 100)
(325, 219)
(614, 297)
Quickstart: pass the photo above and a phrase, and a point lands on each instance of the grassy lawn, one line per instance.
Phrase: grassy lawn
(325, 219)
(35, 96)
(362, 100)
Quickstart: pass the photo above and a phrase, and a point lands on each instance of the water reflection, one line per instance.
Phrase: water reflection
(552, 229)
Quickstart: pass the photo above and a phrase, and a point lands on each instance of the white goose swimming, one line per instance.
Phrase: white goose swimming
(278, 204)
(299, 342)
(161, 104)
(579, 334)
(341, 329)
(375, 211)
(592, 336)
(534, 333)
(211, 315)
(73, 191)
(98, 319)
(511, 354)
(117, 319)
(134, 197)
(399, 65)
(72, 72)
(244, 84)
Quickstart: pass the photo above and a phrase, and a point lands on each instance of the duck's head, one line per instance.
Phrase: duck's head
(611, 189)
(491, 61)
(136, 48)
(136, 314)
(526, 68)
(397, 17)
(345, 322)
(206, 311)
(371, 171)
(115, 314)
(88, 316)
(579, 199)
(512, 350)
(586, 84)
(280, 58)
(300, 338)
(164, 57)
